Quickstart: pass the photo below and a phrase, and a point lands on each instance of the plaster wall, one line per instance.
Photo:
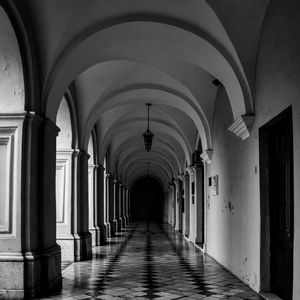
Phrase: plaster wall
(233, 216)
(63, 121)
(12, 96)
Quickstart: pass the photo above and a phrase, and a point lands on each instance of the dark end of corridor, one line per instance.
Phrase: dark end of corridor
(147, 200)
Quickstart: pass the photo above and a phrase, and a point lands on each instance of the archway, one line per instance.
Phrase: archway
(147, 200)
(64, 206)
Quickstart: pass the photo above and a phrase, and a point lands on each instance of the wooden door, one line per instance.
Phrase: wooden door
(281, 206)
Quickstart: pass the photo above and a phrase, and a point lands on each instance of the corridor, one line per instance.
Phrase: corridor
(146, 261)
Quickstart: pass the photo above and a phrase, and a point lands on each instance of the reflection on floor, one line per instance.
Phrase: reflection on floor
(149, 262)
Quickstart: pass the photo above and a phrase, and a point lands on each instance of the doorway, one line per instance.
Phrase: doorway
(277, 204)
(147, 200)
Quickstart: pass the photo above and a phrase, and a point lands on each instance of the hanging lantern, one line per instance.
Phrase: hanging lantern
(148, 135)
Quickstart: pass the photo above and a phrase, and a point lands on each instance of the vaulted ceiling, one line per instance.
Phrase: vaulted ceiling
(119, 55)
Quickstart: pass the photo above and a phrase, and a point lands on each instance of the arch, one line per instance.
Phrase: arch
(65, 139)
(65, 142)
(161, 95)
(68, 96)
(232, 75)
(166, 129)
(92, 188)
(134, 158)
(158, 179)
(138, 173)
(161, 147)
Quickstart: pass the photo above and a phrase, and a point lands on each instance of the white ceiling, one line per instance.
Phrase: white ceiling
(120, 57)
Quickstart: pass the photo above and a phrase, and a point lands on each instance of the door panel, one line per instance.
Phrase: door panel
(281, 206)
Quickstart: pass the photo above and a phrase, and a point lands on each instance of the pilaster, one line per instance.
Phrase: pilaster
(93, 228)
(80, 225)
(107, 198)
(113, 221)
(101, 222)
(29, 256)
(120, 219)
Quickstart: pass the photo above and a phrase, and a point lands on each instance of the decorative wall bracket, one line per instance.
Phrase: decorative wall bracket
(242, 126)
(207, 156)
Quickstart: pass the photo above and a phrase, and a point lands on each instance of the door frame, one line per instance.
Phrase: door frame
(265, 237)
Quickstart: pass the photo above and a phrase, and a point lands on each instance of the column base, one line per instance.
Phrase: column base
(30, 274)
(103, 234)
(83, 246)
(95, 236)
(76, 247)
(51, 276)
(124, 221)
(120, 224)
(114, 227)
(108, 234)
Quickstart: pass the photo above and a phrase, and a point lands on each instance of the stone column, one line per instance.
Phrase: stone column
(123, 206)
(93, 228)
(206, 159)
(180, 202)
(101, 206)
(117, 213)
(107, 188)
(129, 207)
(126, 206)
(173, 196)
(170, 206)
(177, 204)
(166, 208)
(112, 218)
(30, 259)
(119, 207)
(80, 224)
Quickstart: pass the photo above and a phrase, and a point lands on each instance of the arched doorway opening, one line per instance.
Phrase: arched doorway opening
(147, 200)
(64, 152)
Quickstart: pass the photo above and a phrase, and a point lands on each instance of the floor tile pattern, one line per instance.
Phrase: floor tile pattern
(147, 261)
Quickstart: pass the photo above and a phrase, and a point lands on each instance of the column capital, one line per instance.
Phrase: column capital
(92, 166)
(207, 156)
(191, 170)
(100, 168)
(49, 123)
(79, 152)
(242, 126)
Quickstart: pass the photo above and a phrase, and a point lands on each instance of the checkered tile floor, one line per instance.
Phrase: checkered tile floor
(149, 262)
